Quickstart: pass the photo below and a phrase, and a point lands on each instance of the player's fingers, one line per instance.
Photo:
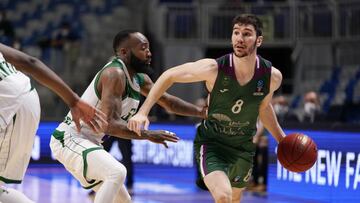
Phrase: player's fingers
(93, 125)
(146, 126)
(171, 135)
(138, 127)
(100, 117)
(77, 123)
(165, 145)
(100, 114)
(100, 125)
(170, 139)
(132, 126)
(138, 130)
(129, 125)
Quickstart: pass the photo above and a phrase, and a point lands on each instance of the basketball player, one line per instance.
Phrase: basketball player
(20, 114)
(241, 85)
(115, 90)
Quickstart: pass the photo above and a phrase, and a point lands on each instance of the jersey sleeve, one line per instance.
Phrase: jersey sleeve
(266, 63)
(140, 78)
(112, 63)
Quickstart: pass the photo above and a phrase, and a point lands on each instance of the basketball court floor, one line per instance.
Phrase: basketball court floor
(153, 184)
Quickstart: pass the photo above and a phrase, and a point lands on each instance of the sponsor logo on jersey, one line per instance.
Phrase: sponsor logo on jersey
(224, 90)
(259, 88)
(236, 179)
(225, 81)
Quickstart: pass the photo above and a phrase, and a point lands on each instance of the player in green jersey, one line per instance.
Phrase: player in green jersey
(20, 115)
(240, 85)
(116, 91)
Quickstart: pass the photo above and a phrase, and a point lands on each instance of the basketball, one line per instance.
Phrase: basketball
(297, 152)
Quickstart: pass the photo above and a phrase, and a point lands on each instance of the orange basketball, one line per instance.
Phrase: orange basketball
(297, 152)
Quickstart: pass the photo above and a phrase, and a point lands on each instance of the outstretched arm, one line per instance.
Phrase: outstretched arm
(45, 76)
(202, 70)
(112, 86)
(174, 104)
(266, 111)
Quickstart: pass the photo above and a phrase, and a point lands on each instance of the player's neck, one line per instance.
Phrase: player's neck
(245, 64)
(131, 71)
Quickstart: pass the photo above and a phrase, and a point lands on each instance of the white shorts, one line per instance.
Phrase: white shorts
(88, 162)
(17, 139)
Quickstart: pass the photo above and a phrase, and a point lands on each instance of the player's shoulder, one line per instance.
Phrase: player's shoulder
(225, 59)
(209, 61)
(113, 72)
(206, 63)
(276, 77)
(276, 73)
(264, 62)
(115, 62)
(142, 78)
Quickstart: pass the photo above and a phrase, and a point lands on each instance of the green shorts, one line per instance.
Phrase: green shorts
(236, 165)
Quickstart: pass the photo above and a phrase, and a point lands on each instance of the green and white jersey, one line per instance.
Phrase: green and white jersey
(13, 84)
(130, 100)
(233, 108)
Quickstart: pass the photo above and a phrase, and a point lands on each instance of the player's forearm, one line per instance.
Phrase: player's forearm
(120, 130)
(45, 76)
(269, 120)
(40, 72)
(180, 107)
(159, 88)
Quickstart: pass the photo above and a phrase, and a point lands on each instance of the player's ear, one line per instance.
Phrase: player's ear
(122, 51)
(259, 41)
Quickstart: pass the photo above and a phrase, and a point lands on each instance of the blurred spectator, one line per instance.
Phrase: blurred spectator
(65, 35)
(7, 32)
(312, 109)
(282, 110)
(66, 44)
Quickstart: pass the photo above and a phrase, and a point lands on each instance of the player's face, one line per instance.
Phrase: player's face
(140, 55)
(244, 40)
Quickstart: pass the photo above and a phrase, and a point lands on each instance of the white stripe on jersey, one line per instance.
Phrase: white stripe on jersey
(12, 87)
(202, 161)
(131, 82)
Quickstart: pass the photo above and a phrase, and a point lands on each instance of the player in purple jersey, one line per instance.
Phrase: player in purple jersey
(241, 86)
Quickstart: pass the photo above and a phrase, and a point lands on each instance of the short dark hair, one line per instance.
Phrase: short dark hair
(249, 19)
(121, 37)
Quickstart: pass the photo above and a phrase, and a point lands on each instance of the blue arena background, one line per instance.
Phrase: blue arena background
(334, 178)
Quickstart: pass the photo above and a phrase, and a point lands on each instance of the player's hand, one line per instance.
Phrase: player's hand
(202, 106)
(138, 122)
(94, 118)
(160, 136)
(204, 112)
